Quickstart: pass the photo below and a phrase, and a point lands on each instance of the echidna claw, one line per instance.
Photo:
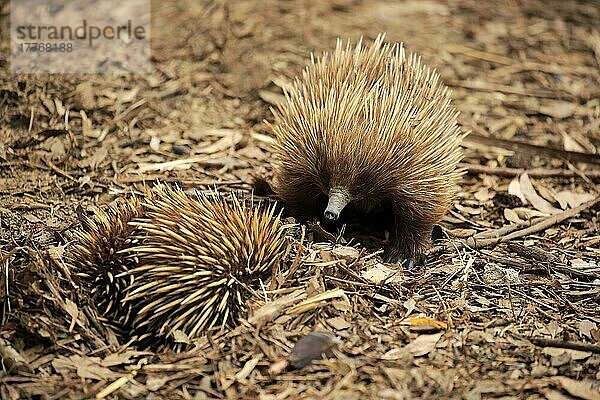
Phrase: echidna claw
(408, 262)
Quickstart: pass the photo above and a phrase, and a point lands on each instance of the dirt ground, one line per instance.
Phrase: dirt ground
(510, 313)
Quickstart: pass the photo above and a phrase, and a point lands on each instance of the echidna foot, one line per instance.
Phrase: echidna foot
(405, 260)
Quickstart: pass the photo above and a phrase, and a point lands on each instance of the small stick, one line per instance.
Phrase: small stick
(494, 87)
(60, 171)
(593, 348)
(536, 227)
(593, 175)
(572, 156)
(322, 233)
(296, 263)
(505, 230)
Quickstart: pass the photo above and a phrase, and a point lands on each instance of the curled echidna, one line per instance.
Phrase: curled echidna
(375, 129)
(178, 262)
(198, 259)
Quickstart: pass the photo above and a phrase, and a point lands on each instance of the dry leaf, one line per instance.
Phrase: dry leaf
(423, 344)
(572, 199)
(345, 252)
(586, 389)
(461, 233)
(512, 216)
(60, 109)
(571, 144)
(558, 109)
(181, 337)
(278, 367)
(86, 367)
(379, 273)
(86, 126)
(571, 354)
(122, 358)
(271, 97)
(554, 329)
(253, 152)
(424, 322)
(528, 213)
(580, 264)
(338, 323)
(73, 311)
(551, 394)
(96, 159)
(248, 368)
(484, 194)
(154, 382)
(225, 143)
(514, 188)
(586, 327)
(410, 306)
(468, 210)
(155, 143)
(493, 274)
(536, 201)
(273, 309)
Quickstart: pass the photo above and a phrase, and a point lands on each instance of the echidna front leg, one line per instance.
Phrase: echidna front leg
(408, 242)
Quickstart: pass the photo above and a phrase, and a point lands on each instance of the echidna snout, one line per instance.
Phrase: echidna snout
(338, 199)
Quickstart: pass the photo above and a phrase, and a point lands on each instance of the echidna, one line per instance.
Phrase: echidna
(185, 263)
(95, 256)
(198, 259)
(372, 128)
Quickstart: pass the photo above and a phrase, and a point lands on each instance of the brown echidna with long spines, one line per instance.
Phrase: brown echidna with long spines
(375, 129)
(198, 260)
(177, 262)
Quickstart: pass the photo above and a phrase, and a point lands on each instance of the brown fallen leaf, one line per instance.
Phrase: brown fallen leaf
(512, 216)
(247, 368)
(154, 382)
(127, 357)
(73, 311)
(86, 367)
(584, 389)
(551, 394)
(338, 323)
(379, 273)
(572, 199)
(271, 97)
(424, 322)
(534, 198)
(423, 344)
(558, 109)
(181, 337)
(514, 188)
(570, 144)
(312, 347)
(12, 358)
(278, 367)
(586, 327)
(225, 143)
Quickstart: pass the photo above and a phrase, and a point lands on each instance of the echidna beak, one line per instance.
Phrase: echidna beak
(338, 199)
